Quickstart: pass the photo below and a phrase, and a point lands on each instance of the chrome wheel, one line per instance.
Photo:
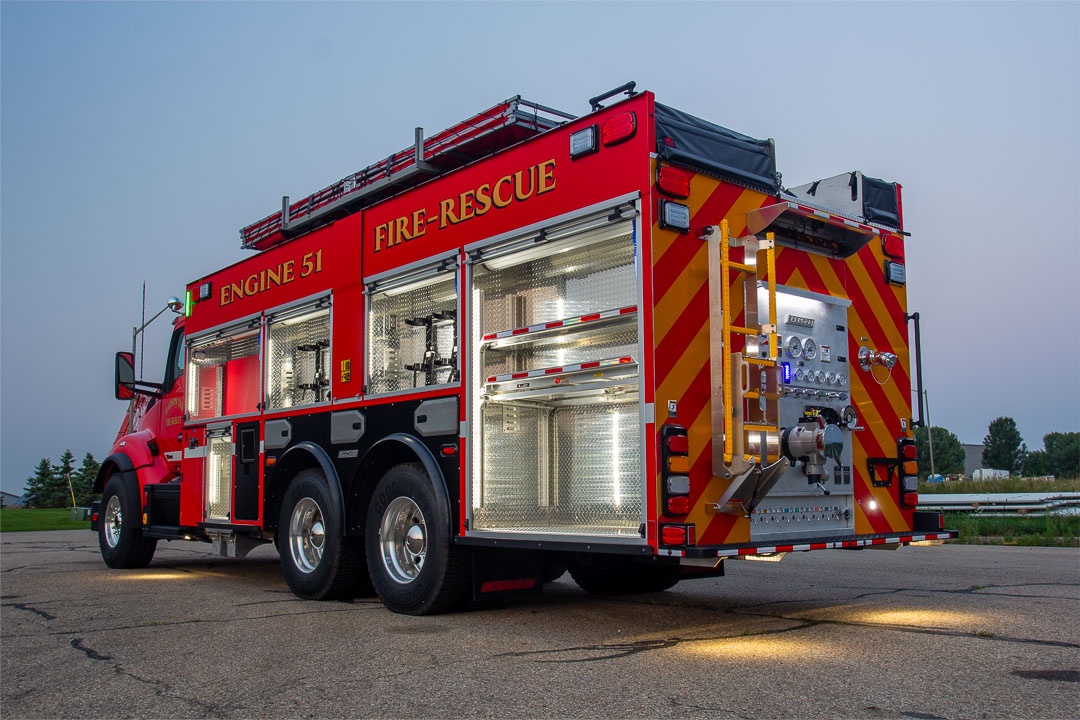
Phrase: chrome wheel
(307, 535)
(403, 540)
(112, 521)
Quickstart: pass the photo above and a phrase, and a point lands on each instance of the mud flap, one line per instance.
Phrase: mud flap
(503, 571)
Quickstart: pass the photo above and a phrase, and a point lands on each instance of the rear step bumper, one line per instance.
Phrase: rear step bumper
(802, 545)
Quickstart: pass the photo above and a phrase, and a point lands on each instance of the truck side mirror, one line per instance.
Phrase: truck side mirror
(125, 376)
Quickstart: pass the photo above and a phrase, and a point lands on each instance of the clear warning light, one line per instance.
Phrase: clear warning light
(583, 142)
(674, 216)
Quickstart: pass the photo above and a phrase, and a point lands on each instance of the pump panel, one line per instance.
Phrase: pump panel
(814, 392)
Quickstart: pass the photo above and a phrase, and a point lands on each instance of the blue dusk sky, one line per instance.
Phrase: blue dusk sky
(137, 138)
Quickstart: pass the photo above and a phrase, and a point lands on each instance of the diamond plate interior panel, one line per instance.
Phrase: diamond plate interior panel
(299, 359)
(567, 284)
(598, 466)
(413, 337)
(217, 362)
(516, 461)
(573, 470)
(219, 479)
(559, 457)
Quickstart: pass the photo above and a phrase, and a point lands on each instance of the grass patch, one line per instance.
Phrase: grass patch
(974, 528)
(1039, 531)
(25, 520)
(1004, 485)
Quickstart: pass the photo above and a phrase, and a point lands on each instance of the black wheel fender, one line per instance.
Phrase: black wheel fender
(117, 463)
(325, 464)
(431, 467)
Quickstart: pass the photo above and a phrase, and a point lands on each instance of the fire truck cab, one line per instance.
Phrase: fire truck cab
(613, 344)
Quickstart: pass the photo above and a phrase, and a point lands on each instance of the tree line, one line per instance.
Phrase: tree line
(61, 484)
(1003, 449)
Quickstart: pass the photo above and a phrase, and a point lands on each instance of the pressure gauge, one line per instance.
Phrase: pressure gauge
(809, 348)
(849, 417)
(795, 347)
(820, 376)
(841, 379)
(830, 378)
(800, 375)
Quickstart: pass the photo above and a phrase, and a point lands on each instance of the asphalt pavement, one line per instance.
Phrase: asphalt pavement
(930, 632)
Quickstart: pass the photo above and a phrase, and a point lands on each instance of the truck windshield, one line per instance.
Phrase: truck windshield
(175, 368)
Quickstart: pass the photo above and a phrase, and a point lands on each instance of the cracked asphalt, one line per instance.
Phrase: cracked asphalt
(927, 633)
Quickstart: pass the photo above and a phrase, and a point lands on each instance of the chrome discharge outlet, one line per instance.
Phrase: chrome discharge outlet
(868, 358)
(813, 443)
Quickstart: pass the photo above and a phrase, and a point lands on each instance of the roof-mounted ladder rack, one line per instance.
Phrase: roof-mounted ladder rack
(496, 128)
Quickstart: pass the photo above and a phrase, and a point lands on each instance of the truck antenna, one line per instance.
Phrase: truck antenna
(142, 341)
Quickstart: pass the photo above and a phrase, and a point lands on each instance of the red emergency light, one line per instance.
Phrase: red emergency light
(893, 245)
(679, 505)
(617, 129)
(677, 535)
(674, 181)
(678, 444)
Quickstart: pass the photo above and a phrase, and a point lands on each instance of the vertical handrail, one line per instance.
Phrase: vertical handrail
(918, 370)
(725, 308)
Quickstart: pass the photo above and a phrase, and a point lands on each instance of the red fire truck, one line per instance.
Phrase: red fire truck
(533, 342)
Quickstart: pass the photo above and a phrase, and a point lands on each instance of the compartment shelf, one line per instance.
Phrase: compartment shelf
(583, 383)
(557, 328)
(565, 370)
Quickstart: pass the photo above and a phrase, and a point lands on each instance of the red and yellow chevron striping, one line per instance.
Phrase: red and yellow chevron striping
(680, 315)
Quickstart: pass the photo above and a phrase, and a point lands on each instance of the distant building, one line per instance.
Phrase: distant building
(10, 500)
(974, 468)
(972, 459)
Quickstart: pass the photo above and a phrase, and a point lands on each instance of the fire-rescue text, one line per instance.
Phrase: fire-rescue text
(516, 187)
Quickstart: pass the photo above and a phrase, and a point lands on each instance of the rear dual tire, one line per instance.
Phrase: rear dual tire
(414, 566)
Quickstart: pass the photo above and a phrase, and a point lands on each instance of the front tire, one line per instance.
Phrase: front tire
(120, 533)
(414, 566)
(318, 562)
